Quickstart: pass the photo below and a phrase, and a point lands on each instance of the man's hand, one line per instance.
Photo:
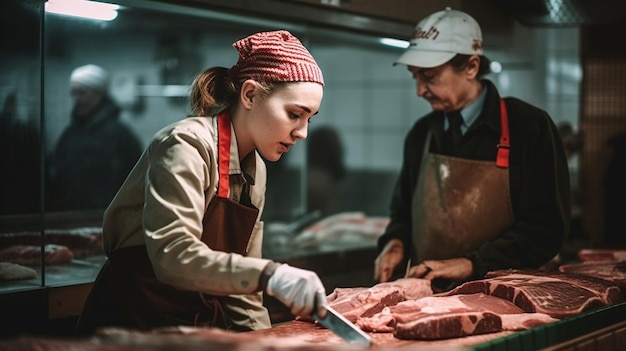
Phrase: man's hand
(388, 259)
(455, 269)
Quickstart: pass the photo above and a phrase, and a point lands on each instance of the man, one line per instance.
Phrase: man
(484, 183)
(96, 151)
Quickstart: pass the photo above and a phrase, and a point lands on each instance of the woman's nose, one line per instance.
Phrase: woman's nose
(301, 131)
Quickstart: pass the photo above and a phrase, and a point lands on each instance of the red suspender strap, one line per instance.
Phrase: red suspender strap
(223, 152)
(502, 160)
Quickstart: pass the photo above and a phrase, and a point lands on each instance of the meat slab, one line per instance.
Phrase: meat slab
(448, 308)
(602, 255)
(607, 270)
(83, 241)
(447, 325)
(357, 302)
(30, 255)
(557, 294)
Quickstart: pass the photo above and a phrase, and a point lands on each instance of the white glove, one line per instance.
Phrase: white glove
(300, 290)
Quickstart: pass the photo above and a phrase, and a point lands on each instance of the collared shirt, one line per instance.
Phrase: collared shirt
(538, 181)
(470, 112)
(162, 203)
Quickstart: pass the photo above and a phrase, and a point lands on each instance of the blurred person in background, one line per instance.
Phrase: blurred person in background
(325, 170)
(20, 142)
(95, 152)
(484, 183)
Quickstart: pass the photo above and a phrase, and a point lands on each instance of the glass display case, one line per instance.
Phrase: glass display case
(60, 171)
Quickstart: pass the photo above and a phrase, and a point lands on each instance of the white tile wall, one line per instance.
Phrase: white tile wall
(371, 102)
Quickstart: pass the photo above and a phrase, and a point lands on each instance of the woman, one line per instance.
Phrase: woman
(183, 234)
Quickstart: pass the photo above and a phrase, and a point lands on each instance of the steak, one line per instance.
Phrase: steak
(557, 294)
(446, 306)
(353, 303)
(602, 255)
(523, 321)
(608, 270)
(83, 241)
(448, 325)
(30, 255)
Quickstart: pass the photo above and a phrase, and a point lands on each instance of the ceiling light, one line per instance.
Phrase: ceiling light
(396, 43)
(85, 9)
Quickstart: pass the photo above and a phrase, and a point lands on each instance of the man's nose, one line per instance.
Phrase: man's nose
(421, 89)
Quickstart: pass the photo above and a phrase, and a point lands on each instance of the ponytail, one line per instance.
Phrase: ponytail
(212, 91)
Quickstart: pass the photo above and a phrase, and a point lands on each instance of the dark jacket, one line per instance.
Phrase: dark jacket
(91, 160)
(539, 183)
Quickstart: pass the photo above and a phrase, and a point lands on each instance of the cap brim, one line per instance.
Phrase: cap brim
(426, 59)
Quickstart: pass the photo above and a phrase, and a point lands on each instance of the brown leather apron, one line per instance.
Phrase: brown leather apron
(127, 293)
(459, 204)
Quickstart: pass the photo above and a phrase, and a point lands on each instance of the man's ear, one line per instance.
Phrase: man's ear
(247, 94)
(473, 66)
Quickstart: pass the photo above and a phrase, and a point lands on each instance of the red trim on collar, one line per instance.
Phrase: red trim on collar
(223, 153)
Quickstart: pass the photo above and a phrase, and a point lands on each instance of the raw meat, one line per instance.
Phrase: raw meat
(449, 325)
(523, 321)
(607, 270)
(411, 310)
(345, 227)
(12, 271)
(558, 295)
(353, 303)
(606, 290)
(602, 255)
(30, 255)
(81, 241)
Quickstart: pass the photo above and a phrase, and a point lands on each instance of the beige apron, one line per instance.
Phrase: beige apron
(127, 293)
(459, 204)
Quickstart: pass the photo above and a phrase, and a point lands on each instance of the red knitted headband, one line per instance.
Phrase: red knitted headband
(275, 56)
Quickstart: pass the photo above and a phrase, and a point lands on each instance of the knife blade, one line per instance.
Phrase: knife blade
(341, 326)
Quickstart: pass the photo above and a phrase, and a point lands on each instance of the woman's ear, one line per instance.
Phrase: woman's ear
(248, 91)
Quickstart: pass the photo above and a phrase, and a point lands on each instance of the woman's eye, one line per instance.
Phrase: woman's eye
(294, 115)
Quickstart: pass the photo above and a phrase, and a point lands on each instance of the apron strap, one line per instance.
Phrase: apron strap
(223, 136)
(502, 160)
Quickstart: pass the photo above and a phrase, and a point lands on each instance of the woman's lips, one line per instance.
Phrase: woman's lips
(285, 147)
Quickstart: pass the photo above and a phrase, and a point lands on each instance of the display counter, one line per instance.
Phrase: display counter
(601, 329)
(51, 305)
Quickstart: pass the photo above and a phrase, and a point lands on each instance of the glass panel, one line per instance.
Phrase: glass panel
(20, 142)
(110, 85)
(150, 54)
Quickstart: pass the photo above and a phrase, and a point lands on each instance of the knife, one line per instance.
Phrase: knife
(341, 326)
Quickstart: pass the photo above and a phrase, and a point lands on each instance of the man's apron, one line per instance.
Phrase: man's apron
(127, 293)
(459, 204)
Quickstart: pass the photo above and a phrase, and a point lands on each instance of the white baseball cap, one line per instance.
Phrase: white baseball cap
(440, 36)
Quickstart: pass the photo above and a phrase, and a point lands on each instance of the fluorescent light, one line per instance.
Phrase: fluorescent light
(495, 66)
(81, 8)
(396, 43)
(164, 90)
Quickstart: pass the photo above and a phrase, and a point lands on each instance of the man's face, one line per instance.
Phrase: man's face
(86, 100)
(444, 88)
